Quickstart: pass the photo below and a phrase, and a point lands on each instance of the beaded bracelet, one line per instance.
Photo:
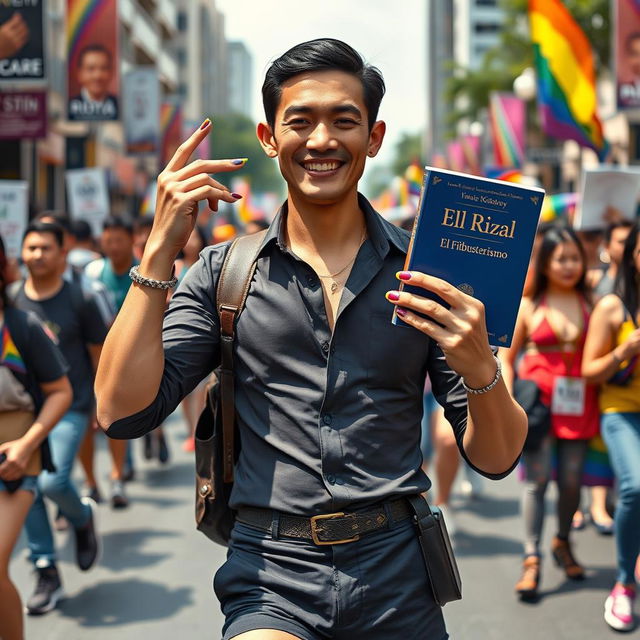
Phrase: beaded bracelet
(134, 274)
(490, 386)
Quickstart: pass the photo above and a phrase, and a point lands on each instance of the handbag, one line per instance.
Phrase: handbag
(527, 394)
(216, 445)
(437, 551)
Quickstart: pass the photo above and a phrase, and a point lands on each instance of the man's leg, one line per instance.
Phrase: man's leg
(118, 450)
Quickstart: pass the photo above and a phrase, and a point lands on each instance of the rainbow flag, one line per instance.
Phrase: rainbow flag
(11, 357)
(85, 17)
(558, 206)
(502, 173)
(413, 175)
(566, 76)
(507, 117)
(170, 130)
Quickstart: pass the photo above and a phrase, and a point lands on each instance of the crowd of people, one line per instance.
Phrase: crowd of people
(58, 301)
(577, 326)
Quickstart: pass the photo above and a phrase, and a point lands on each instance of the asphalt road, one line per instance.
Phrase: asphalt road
(154, 579)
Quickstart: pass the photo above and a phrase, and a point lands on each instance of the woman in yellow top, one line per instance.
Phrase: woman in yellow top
(611, 350)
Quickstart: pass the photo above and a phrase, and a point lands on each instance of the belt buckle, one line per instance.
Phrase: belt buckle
(328, 516)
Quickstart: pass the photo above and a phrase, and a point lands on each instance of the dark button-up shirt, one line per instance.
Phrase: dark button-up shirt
(327, 420)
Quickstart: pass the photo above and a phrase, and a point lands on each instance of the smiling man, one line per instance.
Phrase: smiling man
(328, 391)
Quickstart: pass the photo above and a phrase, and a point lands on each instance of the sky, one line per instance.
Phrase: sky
(389, 34)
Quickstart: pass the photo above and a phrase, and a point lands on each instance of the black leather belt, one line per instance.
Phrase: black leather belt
(330, 528)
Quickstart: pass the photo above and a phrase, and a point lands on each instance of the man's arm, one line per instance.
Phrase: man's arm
(132, 362)
(496, 425)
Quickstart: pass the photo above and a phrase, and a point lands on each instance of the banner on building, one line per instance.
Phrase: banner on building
(93, 84)
(507, 117)
(21, 26)
(627, 53)
(141, 110)
(88, 197)
(170, 130)
(23, 115)
(14, 213)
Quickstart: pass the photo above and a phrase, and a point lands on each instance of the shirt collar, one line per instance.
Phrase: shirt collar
(383, 234)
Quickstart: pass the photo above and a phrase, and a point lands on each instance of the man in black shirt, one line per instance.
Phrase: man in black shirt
(328, 392)
(77, 325)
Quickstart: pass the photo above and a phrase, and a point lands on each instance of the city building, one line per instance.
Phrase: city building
(240, 78)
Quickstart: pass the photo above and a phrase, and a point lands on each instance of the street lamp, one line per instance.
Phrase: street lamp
(524, 86)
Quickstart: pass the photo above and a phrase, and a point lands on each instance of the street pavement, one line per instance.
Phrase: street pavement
(155, 576)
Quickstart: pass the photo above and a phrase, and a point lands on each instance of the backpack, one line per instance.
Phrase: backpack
(216, 445)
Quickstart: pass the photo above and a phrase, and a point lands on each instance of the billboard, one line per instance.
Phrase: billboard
(141, 110)
(627, 53)
(93, 83)
(23, 115)
(22, 44)
(88, 196)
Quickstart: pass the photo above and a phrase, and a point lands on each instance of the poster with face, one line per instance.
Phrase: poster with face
(21, 40)
(627, 41)
(92, 58)
(141, 113)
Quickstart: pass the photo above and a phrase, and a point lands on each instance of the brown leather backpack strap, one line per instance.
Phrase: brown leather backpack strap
(233, 287)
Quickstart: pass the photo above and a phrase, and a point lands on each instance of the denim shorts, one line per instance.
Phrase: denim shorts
(375, 588)
(29, 483)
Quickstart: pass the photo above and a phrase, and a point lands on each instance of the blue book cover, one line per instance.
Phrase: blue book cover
(477, 234)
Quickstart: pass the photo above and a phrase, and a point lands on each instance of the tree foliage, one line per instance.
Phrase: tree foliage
(468, 90)
(234, 136)
(408, 149)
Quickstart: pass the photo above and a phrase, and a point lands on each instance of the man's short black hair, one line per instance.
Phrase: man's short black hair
(81, 230)
(115, 222)
(37, 226)
(323, 54)
(94, 48)
(59, 218)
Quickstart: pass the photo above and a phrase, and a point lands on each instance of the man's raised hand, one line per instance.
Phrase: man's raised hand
(181, 186)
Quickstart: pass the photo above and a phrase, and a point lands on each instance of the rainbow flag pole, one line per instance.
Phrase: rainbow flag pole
(566, 76)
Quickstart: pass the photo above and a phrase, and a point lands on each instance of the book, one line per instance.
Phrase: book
(607, 190)
(477, 234)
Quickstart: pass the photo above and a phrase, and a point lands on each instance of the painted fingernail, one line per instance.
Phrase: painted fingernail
(205, 124)
(237, 196)
(393, 295)
(403, 275)
(401, 312)
(240, 161)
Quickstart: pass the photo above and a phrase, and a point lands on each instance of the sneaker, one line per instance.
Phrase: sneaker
(471, 487)
(94, 494)
(618, 608)
(87, 539)
(119, 498)
(48, 591)
(563, 555)
(163, 449)
(128, 473)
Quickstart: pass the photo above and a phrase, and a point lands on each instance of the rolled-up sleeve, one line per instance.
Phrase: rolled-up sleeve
(191, 339)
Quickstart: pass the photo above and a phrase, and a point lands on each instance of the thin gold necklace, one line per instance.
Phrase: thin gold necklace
(331, 276)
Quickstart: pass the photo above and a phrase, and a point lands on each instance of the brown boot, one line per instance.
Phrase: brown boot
(527, 586)
(561, 550)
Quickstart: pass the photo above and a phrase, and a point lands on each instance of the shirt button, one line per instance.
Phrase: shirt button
(325, 347)
(339, 480)
(312, 281)
(327, 418)
(331, 479)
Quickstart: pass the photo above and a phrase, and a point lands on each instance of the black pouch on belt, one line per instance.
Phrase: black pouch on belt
(437, 552)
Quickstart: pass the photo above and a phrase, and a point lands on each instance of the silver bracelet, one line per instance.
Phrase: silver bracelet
(134, 274)
(490, 386)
